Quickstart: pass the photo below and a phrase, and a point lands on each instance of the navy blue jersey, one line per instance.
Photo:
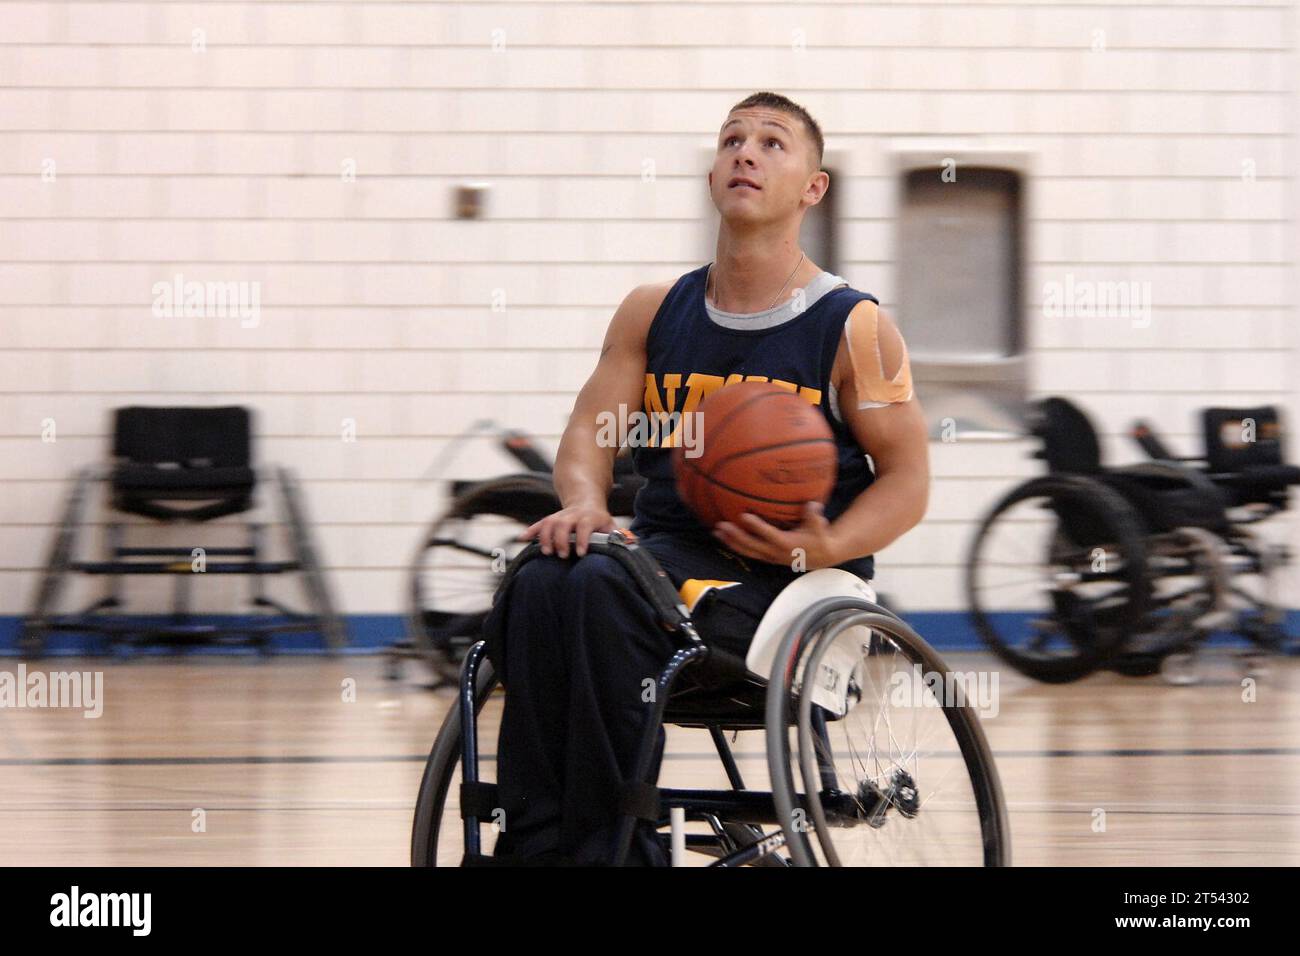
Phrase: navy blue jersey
(688, 356)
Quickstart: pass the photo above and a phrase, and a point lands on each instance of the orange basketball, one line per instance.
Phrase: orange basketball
(761, 449)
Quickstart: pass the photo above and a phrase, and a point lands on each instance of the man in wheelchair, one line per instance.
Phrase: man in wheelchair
(575, 641)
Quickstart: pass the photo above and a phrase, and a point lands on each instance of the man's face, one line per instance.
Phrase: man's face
(771, 150)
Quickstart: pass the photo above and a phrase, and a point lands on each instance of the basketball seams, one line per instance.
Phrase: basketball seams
(715, 506)
(731, 414)
(796, 456)
(718, 465)
(709, 479)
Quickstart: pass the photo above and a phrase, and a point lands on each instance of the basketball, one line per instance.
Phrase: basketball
(763, 449)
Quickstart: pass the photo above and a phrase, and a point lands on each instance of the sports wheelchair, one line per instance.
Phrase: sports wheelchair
(893, 766)
(1132, 568)
(461, 555)
(181, 466)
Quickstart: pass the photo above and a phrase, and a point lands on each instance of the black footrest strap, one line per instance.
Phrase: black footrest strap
(479, 800)
(640, 800)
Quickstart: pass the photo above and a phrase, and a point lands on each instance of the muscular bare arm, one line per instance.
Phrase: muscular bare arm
(894, 433)
(897, 439)
(583, 468)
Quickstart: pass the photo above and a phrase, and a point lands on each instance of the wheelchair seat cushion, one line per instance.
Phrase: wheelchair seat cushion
(737, 705)
(1270, 476)
(139, 478)
(1258, 483)
(718, 690)
(1170, 496)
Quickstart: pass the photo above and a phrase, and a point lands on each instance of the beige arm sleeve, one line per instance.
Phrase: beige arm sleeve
(874, 389)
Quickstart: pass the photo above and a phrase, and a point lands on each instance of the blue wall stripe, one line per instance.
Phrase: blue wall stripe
(367, 634)
(372, 633)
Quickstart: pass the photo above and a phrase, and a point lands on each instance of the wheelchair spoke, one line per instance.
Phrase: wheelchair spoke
(1034, 582)
(455, 573)
(1089, 542)
(902, 791)
(892, 739)
(1044, 631)
(880, 714)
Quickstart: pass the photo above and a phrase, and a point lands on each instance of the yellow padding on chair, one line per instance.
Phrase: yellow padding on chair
(693, 589)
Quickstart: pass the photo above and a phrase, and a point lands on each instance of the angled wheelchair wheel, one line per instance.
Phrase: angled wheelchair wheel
(894, 767)
(1256, 590)
(459, 563)
(1182, 579)
(438, 833)
(1056, 578)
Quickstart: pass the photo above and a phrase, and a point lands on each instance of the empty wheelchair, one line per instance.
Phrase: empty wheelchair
(180, 466)
(871, 759)
(462, 554)
(1132, 567)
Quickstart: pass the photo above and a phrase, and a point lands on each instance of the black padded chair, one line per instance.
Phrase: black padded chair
(1244, 454)
(1069, 439)
(181, 465)
(1166, 494)
(167, 456)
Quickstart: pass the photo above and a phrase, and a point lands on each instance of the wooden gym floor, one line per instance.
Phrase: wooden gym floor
(245, 762)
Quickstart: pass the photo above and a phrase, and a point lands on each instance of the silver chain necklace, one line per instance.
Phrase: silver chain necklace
(708, 278)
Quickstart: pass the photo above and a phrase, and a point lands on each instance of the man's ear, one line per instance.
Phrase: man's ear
(821, 173)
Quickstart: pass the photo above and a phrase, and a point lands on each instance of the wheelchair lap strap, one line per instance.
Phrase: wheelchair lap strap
(640, 800)
(650, 578)
(479, 800)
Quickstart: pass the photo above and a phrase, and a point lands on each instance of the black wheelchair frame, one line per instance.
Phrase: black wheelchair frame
(181, 466)
(1155, 523)
(726, 698)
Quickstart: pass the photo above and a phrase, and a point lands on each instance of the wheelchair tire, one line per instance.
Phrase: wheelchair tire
(439, 771)
(1088, 514)
(1137, 664)
(441, 635)
(803, 647)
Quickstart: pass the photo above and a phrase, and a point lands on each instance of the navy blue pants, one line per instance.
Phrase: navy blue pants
(579, 646)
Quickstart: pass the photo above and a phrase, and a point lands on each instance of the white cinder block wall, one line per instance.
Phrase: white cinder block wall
(139, 140)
